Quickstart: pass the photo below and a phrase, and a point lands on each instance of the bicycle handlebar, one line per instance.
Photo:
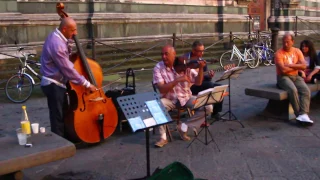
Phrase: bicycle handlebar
(20, 49)
(31, 55)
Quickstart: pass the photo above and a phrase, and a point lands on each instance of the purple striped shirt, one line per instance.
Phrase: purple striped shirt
(55, 63)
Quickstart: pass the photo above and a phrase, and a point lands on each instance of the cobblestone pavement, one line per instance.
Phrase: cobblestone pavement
(265, 149)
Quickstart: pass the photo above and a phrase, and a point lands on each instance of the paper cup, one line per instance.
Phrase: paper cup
(35, 128)
(22, 137)
(42, 129)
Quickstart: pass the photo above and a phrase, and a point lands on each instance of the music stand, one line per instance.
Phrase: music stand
(144, 111)
(208, 97)
(231, 73)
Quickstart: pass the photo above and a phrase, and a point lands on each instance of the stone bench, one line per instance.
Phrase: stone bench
(278, 105)
(47, 147)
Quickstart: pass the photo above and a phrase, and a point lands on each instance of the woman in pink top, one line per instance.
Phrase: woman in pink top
(313, 64)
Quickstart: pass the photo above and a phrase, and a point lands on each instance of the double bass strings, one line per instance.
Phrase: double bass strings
(109, 83)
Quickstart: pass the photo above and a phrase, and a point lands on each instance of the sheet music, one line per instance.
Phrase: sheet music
(136, 123)
(150, 122)
(215, 95)
(205, 91)
(156, 112)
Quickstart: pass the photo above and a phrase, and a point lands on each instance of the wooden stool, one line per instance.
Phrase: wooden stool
(177, 118)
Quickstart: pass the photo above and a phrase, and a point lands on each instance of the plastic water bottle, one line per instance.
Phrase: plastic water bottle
(25, 123)
(315, 81)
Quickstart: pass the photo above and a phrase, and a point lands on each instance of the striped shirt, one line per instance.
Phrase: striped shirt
(181, 92)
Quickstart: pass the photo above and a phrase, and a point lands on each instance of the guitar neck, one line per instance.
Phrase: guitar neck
(225, 68)
(218, 69)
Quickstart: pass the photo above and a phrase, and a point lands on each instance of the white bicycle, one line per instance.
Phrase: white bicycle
(19, 87)
(235, 56)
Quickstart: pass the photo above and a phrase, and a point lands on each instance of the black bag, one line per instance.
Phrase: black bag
(129, 89)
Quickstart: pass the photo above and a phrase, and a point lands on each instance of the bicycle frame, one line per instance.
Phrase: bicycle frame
(262, 51)
(25, 65)
(236, 51)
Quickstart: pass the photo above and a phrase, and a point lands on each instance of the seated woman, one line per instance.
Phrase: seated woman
(313, 63)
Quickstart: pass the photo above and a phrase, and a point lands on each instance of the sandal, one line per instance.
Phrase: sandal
(161, 143)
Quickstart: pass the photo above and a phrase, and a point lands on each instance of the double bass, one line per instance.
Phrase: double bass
(90, 117)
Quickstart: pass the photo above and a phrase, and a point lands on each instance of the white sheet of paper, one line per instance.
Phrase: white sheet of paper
(150, 122)
(215, 96)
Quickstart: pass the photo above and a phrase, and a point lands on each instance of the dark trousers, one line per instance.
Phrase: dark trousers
(316, 76)
(206, 85)
(55, 97)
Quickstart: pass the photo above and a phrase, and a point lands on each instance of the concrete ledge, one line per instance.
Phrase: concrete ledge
(270, 91)
(278, 106)
(46, 148)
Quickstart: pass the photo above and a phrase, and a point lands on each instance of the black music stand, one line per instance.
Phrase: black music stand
(231, 73)
(208, 97)
(144, 111)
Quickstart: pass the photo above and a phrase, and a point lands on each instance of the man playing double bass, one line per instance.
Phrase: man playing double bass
(57, 69)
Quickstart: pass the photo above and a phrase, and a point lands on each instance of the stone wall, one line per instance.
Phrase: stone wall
(304, 13)
(31, 21)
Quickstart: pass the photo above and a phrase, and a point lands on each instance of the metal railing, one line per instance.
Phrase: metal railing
(307, 24)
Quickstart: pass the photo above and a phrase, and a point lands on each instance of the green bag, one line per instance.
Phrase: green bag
(174, 171)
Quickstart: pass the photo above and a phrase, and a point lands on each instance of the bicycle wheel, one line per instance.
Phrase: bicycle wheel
(19, 88)
(269, 57)
(228, 58)
(253, 59)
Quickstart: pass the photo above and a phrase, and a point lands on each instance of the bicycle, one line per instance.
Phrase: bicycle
(265, 54)
(235, 54)
(19, 87)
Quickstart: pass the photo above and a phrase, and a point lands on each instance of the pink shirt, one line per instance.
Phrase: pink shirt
(181, 91)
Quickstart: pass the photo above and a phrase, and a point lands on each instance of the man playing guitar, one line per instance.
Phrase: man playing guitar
(196, 54)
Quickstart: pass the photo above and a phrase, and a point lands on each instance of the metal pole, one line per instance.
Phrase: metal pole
(249, 27)
(148, 151)
(174, 40)
(296, 27)
(93, 41)
(274, 39)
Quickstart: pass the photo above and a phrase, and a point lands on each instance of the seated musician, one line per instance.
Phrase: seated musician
(175, 91)
(196, 54)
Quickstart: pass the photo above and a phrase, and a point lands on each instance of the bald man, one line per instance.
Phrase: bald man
(175, 91)
(57, 70)
(289, 60)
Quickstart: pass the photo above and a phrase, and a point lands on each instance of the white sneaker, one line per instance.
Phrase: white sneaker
(304, 118)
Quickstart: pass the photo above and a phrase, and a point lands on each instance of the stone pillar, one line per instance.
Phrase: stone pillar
(274, 39)
(8, 6)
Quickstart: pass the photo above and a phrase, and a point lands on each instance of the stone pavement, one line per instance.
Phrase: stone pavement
(265, 149)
